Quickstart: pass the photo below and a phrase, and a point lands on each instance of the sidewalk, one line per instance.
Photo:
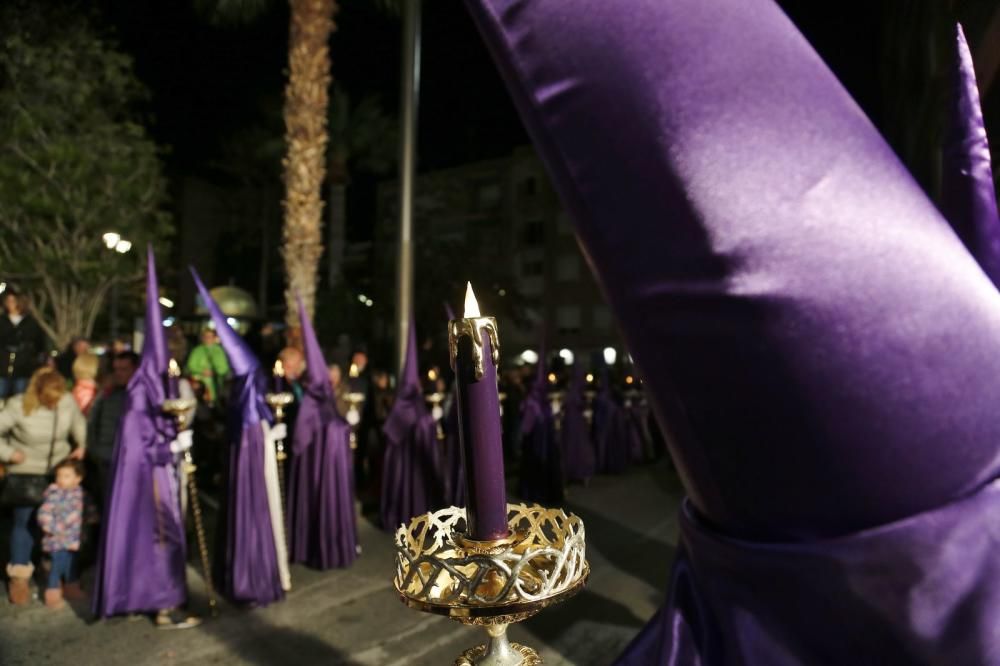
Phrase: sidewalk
(353, 616)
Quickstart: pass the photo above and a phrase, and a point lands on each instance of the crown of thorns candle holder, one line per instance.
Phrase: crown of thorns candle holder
(491, 583)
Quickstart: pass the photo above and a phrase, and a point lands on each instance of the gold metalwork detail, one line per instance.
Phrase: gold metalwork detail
(528, 656)
(473, 327)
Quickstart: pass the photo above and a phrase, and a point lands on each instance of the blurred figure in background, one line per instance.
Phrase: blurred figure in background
(84, 371)
(22, 345)
(209, 366)
(102, 422)
(64, 361)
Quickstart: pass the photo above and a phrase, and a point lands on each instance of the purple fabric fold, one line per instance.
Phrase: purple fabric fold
(249, 564)
(917, 591)
(141, 555)
(412, 482)
(969, 198)
(819, 345)
(577, 442)
(322, 522)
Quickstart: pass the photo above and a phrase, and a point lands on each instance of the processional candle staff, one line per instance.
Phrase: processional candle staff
(179, 408)
(474, 351)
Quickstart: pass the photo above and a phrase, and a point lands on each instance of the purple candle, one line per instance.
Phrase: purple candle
(279, 377)
(173, 380)
(474, 350)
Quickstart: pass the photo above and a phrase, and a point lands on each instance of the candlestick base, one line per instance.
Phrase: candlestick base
(491, 583)
(499, 651)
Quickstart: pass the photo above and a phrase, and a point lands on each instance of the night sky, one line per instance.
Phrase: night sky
(209, 81)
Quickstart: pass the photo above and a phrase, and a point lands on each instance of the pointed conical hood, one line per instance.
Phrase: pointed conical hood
(801, 313)
(411, 367)
(241, 359)
(969, 194)
(154, 346)
(316, 378)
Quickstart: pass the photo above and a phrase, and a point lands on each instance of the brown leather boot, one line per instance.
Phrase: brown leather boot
(73, 591)
(54, 598)
(17, 585)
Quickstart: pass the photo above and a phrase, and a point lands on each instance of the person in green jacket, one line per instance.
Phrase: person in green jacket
(208, 365)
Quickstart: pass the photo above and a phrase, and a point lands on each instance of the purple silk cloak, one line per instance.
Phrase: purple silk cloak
(249, 562)
(141, 556)
(541, 459)
(577, 442)
(969, 198)
(322, 523)
(823, 348)
(411, 471)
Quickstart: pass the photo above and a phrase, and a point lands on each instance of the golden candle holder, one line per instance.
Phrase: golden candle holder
(491, 584)
(179, 409)
(556, 399)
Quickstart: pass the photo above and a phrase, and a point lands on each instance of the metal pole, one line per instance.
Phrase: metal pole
(114, 311)
(410, 97)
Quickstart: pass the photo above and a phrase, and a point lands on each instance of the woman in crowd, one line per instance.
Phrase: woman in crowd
(39, 426)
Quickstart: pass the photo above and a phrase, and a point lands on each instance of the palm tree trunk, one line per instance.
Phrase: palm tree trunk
(306, 101)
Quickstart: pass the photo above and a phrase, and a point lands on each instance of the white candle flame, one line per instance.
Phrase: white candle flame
(471, 304)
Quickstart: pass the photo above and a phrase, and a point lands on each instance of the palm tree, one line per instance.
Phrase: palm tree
(306, 111)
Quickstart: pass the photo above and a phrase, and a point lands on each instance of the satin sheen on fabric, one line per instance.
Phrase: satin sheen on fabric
(321, 472)
(140, 563)
(818, 343)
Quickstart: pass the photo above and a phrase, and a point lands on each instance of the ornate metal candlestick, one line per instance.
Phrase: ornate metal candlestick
(277, 401)
(495, 583)
(179, 408)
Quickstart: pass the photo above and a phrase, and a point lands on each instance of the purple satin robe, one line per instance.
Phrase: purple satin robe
(541, 458)
(141, 555)
(454, 466)
(322, 523)
(247, 565)
(610, 431)
(821, 347)
(412, 481)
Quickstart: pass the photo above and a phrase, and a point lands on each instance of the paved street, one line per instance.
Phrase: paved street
(353, 616)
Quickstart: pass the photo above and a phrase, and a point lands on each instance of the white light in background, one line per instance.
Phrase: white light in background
(231, 321)
(123, 246)
(567, 356)
(168, 322)
(111, 239)
(362, 298)
(610, 355)
(529, 356)
(166, 302)
(369, 302)
(3, 287)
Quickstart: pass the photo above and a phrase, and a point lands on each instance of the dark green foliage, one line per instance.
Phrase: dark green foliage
(75, 162)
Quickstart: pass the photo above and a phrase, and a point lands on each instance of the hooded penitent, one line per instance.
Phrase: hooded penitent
(610, 429)
(253, 559)
(820, 345)
(140, 565)
(969, 198)
(321, 516)
(577, 443)
(411, 474)
(541, 460)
